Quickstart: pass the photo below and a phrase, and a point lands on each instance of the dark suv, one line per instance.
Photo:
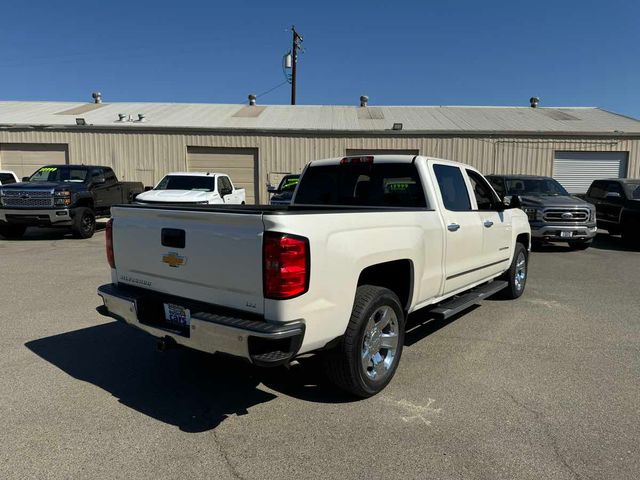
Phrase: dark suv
(554, 214)
(617, 202)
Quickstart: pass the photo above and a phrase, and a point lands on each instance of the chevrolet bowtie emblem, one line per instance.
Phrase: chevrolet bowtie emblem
(174, 260)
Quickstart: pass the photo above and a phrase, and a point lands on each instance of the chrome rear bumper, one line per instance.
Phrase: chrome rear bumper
(212, 329)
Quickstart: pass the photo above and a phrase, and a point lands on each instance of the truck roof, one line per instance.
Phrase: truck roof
(387, 159)
(195, 174)
(520, 177)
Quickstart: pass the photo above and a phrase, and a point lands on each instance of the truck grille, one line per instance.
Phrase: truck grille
(565, 215)
(27, 199)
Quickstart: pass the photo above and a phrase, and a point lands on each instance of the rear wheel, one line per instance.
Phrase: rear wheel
(580, 245)
(516, 276)
(84, 223)
(12, 232)
(367, 357)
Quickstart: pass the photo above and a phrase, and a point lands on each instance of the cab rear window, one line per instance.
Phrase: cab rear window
(362, 184)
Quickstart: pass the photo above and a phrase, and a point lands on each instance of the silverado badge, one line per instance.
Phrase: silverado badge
(174, 260)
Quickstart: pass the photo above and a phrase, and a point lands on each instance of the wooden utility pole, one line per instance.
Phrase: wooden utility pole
(296, 45)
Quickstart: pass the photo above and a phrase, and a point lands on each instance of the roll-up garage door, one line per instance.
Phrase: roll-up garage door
(239, 163)
(576, 170)
(25, 158)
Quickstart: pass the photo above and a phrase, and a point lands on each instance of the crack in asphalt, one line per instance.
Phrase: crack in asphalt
(554, 444)
(232, 469)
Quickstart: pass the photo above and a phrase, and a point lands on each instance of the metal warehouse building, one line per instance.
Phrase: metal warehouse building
(256, 144)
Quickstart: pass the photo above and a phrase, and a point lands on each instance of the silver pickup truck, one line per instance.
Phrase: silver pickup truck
(554, 214)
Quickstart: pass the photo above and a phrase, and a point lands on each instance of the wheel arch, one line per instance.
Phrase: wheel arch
(396, 275)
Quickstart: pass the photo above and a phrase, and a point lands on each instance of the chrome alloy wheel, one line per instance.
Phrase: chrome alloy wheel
(521, 271)
(380, 343)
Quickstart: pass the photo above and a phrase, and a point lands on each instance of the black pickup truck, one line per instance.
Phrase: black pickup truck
(69, 196)
(617, 204)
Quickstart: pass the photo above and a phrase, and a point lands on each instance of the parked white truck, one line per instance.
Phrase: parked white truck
(366, 241)
(196, 188)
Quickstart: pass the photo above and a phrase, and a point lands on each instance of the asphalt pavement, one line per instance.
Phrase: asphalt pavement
(545, 387)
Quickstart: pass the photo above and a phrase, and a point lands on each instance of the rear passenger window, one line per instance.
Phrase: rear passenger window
(597, 190)
(452, 188)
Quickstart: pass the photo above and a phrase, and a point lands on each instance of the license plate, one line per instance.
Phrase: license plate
(177, 315)
(566, 234)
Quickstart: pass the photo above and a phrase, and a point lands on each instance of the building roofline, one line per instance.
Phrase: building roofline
(319, 132)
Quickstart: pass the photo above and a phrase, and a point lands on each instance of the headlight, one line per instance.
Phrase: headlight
(62, 199)
(531, 212)
(592, 217)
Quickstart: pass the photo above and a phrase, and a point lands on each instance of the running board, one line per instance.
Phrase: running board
(457, 304)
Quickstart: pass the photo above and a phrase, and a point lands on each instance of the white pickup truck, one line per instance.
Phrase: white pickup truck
(7, 177)
(194, 188)
(366, 241)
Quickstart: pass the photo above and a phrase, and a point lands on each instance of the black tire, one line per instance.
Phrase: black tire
(84, 223)
(516, 283)
(12, 232)
(581, 245)
(344, 365)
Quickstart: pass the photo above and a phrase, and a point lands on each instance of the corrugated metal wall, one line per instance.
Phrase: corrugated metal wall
(148, 155)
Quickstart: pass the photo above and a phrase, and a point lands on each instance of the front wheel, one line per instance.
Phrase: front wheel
(84, 223)
(516, 276)
(367, 356)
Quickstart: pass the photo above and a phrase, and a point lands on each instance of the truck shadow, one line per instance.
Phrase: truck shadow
(604, 241)
(191, 390)
(39, 234)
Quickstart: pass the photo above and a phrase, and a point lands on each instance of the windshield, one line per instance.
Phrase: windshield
(288, 183)
(534, 186)
(633, 190)
(60, 174)
(187, 182)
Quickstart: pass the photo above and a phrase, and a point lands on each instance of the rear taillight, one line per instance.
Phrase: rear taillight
(109, 241)
(285, 260)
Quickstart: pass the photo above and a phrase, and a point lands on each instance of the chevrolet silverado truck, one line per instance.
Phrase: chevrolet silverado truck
(554, 214)
(68, 196)
(194, 188)
(617, 204)
(366, 241)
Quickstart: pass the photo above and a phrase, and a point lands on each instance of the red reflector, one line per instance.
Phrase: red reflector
(346, 160)
(108, 235)
(285, 265)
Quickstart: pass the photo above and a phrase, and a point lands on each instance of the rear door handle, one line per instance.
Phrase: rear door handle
(488, 223)
(452, 227)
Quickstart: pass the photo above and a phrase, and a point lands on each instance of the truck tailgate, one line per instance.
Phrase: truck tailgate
(220, 262)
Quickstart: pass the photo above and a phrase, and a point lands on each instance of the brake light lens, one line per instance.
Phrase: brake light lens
(109, 243)
(352, 160)
(285, 265)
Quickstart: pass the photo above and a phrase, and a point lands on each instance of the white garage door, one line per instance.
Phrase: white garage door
(576, 170)
(239, 163)
(25, 158)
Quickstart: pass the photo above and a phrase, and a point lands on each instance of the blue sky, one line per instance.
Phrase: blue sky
(569, 53)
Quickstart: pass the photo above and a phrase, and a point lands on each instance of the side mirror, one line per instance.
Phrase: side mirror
(25, 179)
(512, 201)
(272, 189)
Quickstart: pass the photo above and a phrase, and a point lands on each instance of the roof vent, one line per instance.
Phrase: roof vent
(534, 101)
(142, 117)
(364, 101)
(97, 97)
(122, 117)
(252, 99)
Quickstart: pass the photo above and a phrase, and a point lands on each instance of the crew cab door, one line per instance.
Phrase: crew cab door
(497, 234)
(612, 203)
(105, 188)
(463, 229)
